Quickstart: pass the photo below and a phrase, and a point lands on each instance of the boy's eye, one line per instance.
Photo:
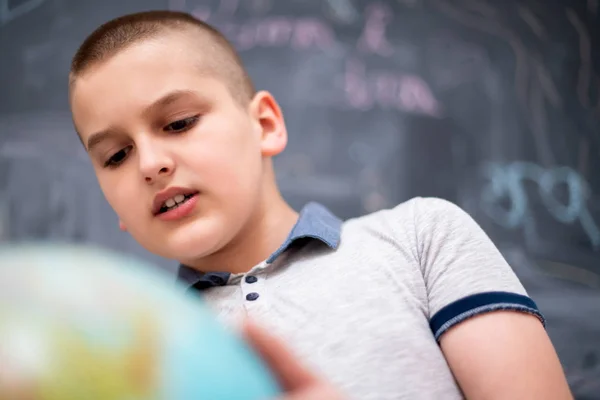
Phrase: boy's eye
(182, 124)
(116, 159)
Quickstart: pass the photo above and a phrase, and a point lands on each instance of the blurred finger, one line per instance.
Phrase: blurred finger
(290, 373)
(314, 393)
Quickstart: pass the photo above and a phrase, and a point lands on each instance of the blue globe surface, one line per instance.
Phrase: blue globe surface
(82, 323)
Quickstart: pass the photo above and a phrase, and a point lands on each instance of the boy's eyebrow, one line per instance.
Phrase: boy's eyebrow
(167, 99)
(97, 138)
(164, 101)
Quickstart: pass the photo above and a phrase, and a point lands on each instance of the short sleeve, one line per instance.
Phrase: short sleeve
(464, 273)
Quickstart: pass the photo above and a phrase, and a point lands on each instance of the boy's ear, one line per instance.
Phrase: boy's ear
(122, 226)
(270, 122)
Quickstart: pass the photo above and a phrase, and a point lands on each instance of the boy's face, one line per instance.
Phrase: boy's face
(197, 142)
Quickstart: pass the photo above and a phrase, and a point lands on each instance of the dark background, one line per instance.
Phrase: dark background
(493, 105)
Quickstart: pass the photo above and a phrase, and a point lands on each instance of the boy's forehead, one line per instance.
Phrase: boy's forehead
(158, 54)
(143, 73)
(143, 69)
(175, 53)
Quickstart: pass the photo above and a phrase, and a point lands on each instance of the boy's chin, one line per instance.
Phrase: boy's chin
(188, 245)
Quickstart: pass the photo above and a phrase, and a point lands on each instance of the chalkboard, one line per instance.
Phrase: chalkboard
(492, 105)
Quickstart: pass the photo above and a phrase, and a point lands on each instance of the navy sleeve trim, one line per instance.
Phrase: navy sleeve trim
(480, 303)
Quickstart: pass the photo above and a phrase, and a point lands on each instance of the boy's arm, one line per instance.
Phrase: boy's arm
(490, 331)
(504, 355)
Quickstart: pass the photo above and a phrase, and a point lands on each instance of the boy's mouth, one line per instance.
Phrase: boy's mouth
(171, 198)
(174, 202)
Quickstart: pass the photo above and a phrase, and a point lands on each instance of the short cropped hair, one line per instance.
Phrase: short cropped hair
(220, 57)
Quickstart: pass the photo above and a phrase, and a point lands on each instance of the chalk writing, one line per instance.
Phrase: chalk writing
(405, 92)
(532, 21)
(373, 39)
(8, 13)
(226, 9)
(586, 78)
(277, 31)
(533, 82)
(507, 182)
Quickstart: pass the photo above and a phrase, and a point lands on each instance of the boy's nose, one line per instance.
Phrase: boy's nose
(155, 164)
(162, 172)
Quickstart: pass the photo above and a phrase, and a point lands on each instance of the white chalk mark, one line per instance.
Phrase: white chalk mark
(492, 27)
(585, 54)
(274, 32)
(534, 23)
(522, 70)
(343, 10)
(311, 32)
(548, 86)
(507, 181)
(8, 14)
(279, 31)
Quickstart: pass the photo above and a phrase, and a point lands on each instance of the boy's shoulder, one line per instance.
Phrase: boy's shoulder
(417, 208)
(444, 256)
(417, 216)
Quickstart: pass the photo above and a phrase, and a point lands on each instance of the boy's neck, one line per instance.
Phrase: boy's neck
(262, 235)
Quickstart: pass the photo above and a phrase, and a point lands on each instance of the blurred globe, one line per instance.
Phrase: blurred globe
(81, 323)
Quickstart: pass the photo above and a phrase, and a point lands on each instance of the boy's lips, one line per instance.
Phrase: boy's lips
(169, 193)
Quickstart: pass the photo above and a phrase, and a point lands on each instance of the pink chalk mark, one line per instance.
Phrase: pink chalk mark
(275, 31)
(387, 89)
(280, 32)
(355, 86)
(245, 37)
(202, 13)
(310, 32)
(415, 95)
(373, 38)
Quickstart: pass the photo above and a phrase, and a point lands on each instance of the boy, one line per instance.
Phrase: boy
(411, 302)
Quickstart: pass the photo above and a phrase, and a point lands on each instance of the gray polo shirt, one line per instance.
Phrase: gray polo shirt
(364, 302)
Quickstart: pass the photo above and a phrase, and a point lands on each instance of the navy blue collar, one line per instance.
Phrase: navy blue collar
(315, 222)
